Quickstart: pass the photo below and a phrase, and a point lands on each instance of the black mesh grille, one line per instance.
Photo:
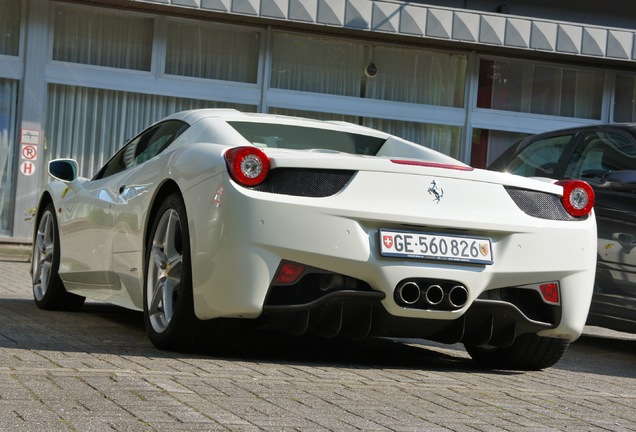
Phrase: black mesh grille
(540, 204)
(313, 183)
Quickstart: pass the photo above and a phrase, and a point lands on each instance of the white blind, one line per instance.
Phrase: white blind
(204, 50)
(90, 125)
(102, 38)
(317, 65)
(333, 66)
(418, 76)
(540, 89)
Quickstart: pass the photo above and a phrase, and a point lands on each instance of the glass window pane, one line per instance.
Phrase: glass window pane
(211, 51)
(488, 145)
(601, 152)
(417, 76)
(540, 158)
(545, 90)
(10, 27)
(317, 65)
(333, 66)
(8, 106)
(102, 38)
(625, 98)
(540, 89)
(443, 138)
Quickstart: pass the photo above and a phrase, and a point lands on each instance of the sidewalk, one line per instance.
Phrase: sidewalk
(96, 370)
(17, 252)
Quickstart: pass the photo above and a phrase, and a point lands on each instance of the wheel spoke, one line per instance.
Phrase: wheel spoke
(168, 293)
(157, 297)
(39, 242)
(43, 276)
(161, 260)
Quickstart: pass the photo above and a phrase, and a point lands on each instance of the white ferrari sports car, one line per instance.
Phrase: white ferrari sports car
(214, 217)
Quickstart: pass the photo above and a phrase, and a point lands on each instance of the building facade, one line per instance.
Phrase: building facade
(78, 79)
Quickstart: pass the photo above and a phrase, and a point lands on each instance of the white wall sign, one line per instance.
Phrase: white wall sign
(27, 168)
(30, 136)
(29, 152)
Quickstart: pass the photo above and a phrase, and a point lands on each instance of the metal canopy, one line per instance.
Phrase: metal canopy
(418, 21)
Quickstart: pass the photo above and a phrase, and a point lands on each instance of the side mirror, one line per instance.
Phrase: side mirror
(63, 169)
(619, 180)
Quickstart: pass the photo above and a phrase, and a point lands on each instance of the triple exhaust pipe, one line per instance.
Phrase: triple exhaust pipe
(441, 296)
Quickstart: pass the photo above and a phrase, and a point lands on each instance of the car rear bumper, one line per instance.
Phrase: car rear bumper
(235, 259)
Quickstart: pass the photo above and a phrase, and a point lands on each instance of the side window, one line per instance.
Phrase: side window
(601, 152)
(143, 147)
(539, 158)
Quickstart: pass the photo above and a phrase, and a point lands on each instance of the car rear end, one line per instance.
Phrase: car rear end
(337, 244)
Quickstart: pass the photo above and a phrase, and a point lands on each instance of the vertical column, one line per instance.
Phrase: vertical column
(31, 162)
(265, 67)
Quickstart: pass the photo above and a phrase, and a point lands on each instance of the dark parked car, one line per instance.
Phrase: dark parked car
(605, 157)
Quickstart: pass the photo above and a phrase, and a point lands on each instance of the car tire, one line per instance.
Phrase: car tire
(48, 290)
(168, 300)
(528, 352)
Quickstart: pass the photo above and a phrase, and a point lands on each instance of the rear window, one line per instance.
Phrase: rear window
(307, 138)
(599, 153)
(539, 158)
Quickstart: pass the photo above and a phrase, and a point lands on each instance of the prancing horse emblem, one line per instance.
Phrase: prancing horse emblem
(436, 190)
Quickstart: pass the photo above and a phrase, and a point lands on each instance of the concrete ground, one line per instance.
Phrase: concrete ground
(15, 252)
(95, 370)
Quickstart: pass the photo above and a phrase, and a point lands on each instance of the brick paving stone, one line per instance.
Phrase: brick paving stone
(95, 370)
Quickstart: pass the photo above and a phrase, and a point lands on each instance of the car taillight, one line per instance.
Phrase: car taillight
(578, 197)
(550, 292)
(289, 272)
(248, 166)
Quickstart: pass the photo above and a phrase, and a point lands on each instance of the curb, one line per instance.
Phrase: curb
(15, 252)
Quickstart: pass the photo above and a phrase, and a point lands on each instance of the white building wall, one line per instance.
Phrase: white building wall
(476, 36)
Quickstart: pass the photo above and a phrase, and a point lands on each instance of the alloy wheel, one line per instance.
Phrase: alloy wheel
(164, 270)
(43, 253)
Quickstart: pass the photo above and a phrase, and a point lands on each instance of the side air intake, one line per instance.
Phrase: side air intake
(312, 183)
(540, 204)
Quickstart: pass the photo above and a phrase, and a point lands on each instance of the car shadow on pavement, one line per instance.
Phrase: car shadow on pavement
(259, 345)
(103, 328)
(100, 328)
(599, 354)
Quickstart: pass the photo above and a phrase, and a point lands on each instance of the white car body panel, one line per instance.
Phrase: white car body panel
(239, 236)
(263, 233)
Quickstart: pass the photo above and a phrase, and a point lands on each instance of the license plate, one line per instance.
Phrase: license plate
(431, 246)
